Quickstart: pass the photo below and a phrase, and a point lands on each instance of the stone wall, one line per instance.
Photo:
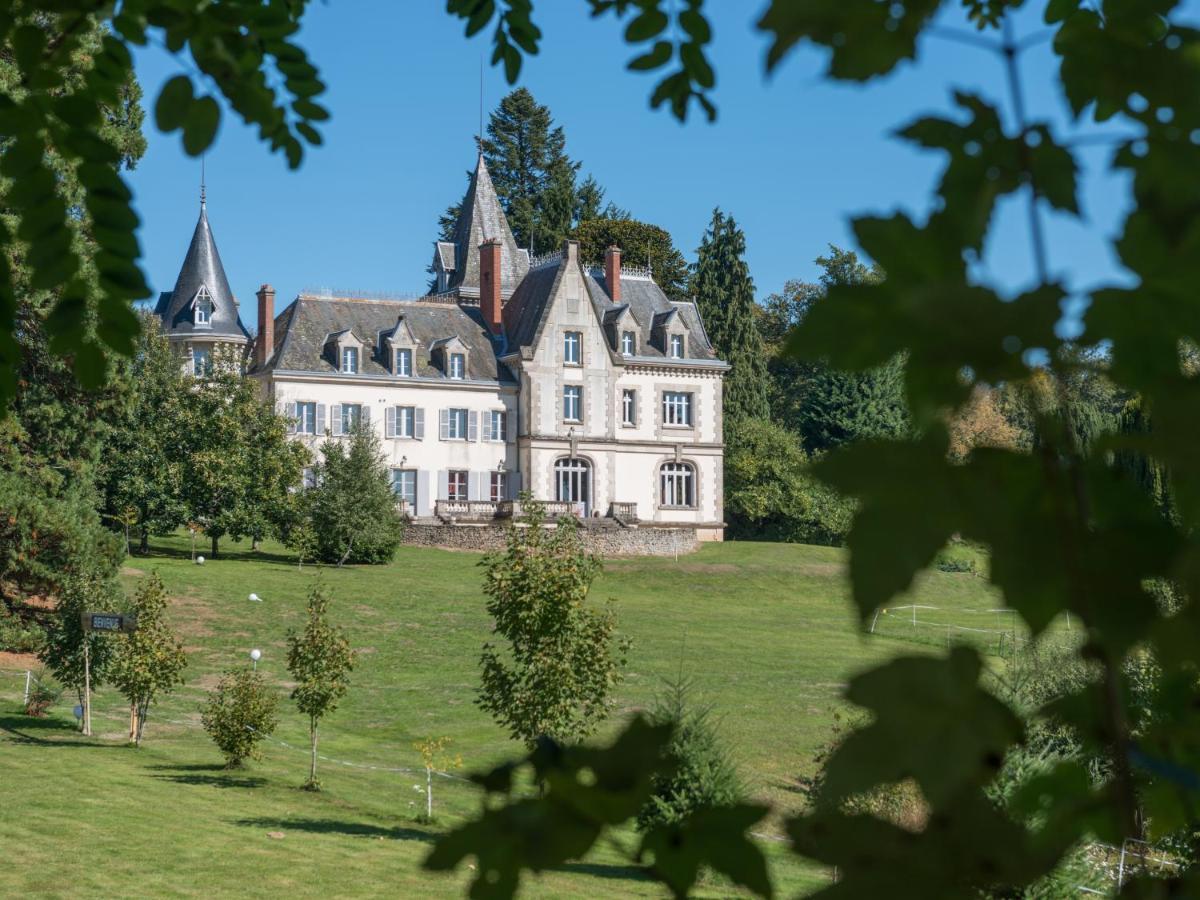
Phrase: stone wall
(644, 541)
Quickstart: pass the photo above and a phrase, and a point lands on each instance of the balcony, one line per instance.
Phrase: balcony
(469, 510)
(623, 512)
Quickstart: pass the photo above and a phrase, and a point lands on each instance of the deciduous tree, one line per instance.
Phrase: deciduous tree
(239, 714)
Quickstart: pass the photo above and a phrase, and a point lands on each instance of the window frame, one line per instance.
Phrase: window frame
(628, 408)
(576, 392)
(452, 418)
(501, 416)
(396, 481)
(680, 476)
(457, 366)
(206, 370)
(402, 353)
(676, 341)
(572, 348)
(348, 354)
(301, 407)
(350, 422)
(452, 476)
(412, 423)
(632, 351)
(672, 403)
(498, 487)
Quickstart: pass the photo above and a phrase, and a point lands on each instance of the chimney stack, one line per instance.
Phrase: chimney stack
(264, 347)
(489, 285)
(612, 273)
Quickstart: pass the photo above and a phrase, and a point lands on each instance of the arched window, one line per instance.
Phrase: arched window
(572, 481)
(677, 485)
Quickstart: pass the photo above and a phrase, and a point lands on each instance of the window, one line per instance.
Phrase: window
(351, 416)
(349, 360)
(406, 420)
(627, 343)
(201, 361)
(497, 492)
(458, 365)
(572, 345)
(573, 403)
(677, 408)
(571, 477)
(456, 424)
(404, 486)
(456, 485)
(306, 418)
(496, 425)
(204, 307)
(308, 477)
(628, 407)
(677, 346)
(404, 362)
(677, 483)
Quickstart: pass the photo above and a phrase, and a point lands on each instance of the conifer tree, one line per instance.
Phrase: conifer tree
(725, 294)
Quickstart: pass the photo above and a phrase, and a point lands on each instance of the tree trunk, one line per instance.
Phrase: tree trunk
(127, 552)
(144, 546)
(312, 769)
(428, 793)
(133, 723)
(214, 546)
(346, 555)
(141, 721)
(254, 544)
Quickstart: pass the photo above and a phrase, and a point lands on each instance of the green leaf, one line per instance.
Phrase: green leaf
(651, 23)
(173, 104)
(200, 125)
(658, 56)
(932, 723)
(713, 837)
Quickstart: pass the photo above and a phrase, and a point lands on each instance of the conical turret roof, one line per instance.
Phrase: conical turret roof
(482, 218)
(201, 270)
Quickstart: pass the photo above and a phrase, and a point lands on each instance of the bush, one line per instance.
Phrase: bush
(42, 696)
(703, 775)
(18, 635)
(239, 714)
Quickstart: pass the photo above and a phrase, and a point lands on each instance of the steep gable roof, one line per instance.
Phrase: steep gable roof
(201, 268)
(482, 218)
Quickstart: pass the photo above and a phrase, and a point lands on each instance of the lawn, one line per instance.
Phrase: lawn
(764, 632)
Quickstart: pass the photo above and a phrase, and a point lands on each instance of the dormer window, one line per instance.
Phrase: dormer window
(202, 308)
(349, 360)
(677, 346)
(628, 344)
(458, 365)
(404, 362)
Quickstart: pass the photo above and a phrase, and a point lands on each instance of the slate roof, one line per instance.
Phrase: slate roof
(201, 266)
(526, 311)
(482, 217)
(309, 321)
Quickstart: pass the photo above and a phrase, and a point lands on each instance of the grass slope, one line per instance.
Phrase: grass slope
(764, 630)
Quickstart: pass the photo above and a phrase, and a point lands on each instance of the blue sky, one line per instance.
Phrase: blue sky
(792, 157)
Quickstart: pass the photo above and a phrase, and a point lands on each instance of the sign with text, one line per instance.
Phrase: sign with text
(111, 622)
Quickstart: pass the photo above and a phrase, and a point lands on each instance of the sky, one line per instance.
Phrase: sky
(793, 157)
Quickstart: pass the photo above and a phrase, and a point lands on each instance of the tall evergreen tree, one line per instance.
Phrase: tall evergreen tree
(725, 294)
(641, 244)
(824, 406)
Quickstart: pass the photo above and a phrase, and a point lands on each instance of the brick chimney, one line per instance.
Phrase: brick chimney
(264, 347)
(489, 285)
(612, 273)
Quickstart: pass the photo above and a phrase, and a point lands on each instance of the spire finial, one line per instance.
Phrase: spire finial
(479, 139)
(202, 198)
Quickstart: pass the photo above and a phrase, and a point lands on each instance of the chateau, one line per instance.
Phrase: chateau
(582, 384)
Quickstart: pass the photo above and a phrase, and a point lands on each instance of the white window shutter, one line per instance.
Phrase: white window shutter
(419, 423)
(423, 492)
(443, 485)
(443, 433)
(322, 424)
(472, 485)
(487, 426)
(289, 411)
(389, 427)
(366, 414)
(473, 425)
(336, 414)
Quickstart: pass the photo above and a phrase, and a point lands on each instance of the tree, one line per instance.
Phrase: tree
(78, 658)
(150, 661)
(982, 423)
(239, 714)
(435, 758)
(320, 660)
(641, 244)
(563, 659)
(352, 508)
(828, 407)
(701, 774)
(725, 295)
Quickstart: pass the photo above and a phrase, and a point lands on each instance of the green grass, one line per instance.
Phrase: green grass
(765, 632)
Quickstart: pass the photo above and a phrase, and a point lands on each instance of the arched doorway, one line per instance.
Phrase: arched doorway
(572, 483)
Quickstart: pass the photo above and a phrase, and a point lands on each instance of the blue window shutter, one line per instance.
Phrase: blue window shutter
(472, 426)
(389, 427)
(336, 415)
(419, 423)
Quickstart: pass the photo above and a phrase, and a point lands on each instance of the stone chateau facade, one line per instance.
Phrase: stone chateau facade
(582, 384)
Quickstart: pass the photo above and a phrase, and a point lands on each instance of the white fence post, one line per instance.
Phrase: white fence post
(28, 678)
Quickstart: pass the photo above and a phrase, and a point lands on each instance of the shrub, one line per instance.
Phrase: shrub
(239, 714)
(42, 696)
(18, 635)
(702, 774)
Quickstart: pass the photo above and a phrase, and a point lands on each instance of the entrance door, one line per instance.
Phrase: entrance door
(571, 484)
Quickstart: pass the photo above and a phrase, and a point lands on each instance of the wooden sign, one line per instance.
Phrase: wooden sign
(110, 622)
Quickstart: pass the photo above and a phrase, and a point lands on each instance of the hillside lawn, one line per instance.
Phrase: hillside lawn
(764, 631)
